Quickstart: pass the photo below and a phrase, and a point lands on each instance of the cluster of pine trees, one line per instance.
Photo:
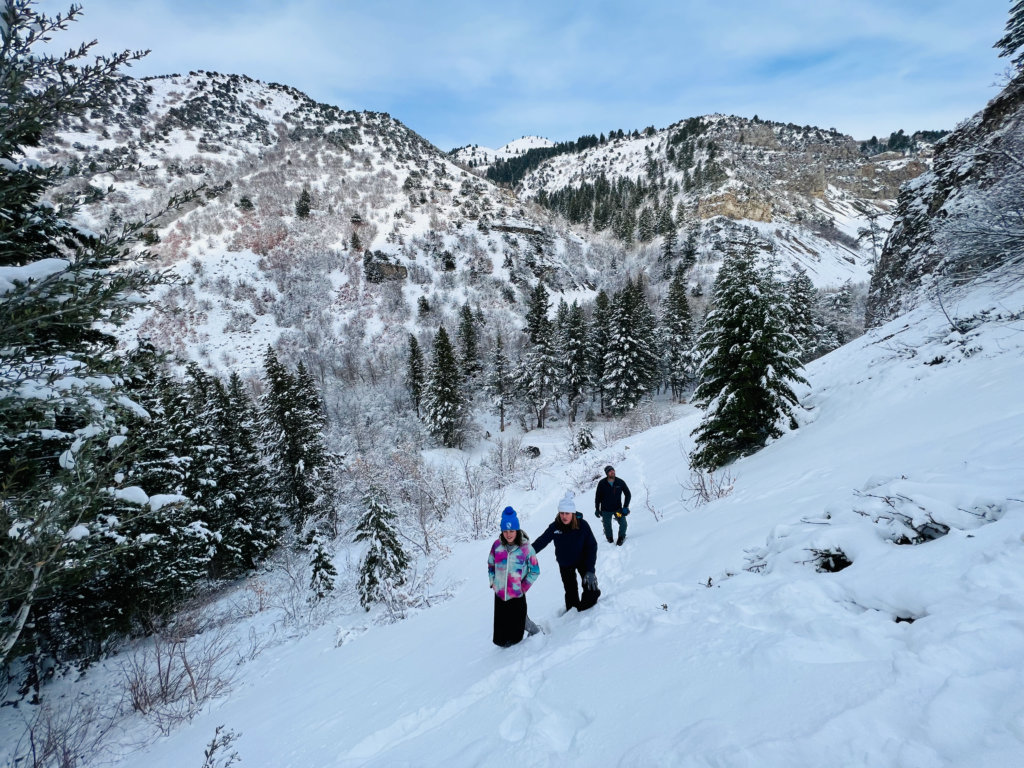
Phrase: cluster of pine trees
(739, 360)
(123, 488)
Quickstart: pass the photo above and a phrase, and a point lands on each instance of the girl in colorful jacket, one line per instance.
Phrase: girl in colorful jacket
(512, 568)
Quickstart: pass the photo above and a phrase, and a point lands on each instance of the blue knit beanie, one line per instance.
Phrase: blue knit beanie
(509, 521)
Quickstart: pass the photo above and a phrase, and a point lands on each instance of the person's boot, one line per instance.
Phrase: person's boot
(531, 627)
(622, 538)
(609, 539)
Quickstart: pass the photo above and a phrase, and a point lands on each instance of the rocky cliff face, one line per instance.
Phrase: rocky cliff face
(964, 217)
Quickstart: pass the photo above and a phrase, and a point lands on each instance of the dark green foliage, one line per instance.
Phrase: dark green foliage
(748, 362)
(469, 357)
(801, 298)
(500, 386)
(677, 336)
(322, 570)
(630, 354)
(537, 376)
(575, 357)
(599, 339)
(57, 457)
(293, 424)
(415, 370)
(423, 306)
(302, 205)
(444, 400)
(512, 170)
(385, 562)
(245, 204)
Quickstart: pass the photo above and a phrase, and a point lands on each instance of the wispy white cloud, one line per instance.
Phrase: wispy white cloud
(461, 71)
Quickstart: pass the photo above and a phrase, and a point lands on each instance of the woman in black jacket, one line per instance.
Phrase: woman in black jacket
(575, 551)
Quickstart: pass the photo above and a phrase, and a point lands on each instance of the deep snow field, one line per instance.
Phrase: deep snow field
(717, 642)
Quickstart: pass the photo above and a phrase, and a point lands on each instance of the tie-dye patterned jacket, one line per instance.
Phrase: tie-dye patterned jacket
(512, 570)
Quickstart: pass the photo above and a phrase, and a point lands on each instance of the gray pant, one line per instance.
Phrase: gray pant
(606, 518)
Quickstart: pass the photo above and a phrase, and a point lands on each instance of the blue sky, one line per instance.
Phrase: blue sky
(484, 73)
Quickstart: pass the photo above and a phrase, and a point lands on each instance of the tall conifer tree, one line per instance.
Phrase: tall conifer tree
(748, 362)
(385, 562)
(677, 336)
(414, 373)
(500, 387)
(444, 400)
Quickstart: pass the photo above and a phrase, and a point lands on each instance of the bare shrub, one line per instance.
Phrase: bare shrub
(181, 667)
(704, 487)
(478, 500)
(505, 460)
(650, 507)
(645, 416)
(219, 753)
(68, 736)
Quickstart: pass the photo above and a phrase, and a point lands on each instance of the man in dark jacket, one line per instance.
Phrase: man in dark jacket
(575, 551)
(608, 504)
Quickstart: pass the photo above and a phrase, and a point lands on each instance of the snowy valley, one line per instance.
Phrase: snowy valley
(272, 369)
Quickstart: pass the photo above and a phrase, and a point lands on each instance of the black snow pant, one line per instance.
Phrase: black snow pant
(509, 620)
(572, 589)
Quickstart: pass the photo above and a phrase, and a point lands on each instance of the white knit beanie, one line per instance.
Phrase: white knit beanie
(567, 504)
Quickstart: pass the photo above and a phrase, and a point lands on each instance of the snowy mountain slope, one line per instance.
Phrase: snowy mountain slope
(963, 216)
(813, 186)
(251, 271)
(479, 159)
(719, 640)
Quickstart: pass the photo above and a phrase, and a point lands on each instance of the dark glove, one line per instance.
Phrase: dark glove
(625, 510)
(590, 581)
(597, 513)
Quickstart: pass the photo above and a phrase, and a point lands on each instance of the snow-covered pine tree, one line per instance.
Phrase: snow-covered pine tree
(801, 297)
(444, 401)
(645, 225)
(677, 336)
(293, 426)
(690, 248)
(253, 527)
(748, 362)
(575, 356)
(415, 369)
(599, 341)
(1010, 43)
(385, 562)
(538, 370)
(55, 466)
(631, 354)
(500, 386)
(469, 356)
(322, 570)
(302, 205)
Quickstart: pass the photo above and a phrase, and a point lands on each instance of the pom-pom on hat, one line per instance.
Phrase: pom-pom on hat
(509, 520)
(567, 504)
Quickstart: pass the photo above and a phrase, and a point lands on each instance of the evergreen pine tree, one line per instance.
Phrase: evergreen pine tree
(255, 528)
(690, 248)
(500, 387)
(599, 341)
(322, 570)
(444, 400)
(645, 225)
(414, 372)
(801, 297)
(469, 359)
(537, 372)
(302, 205)
(293, 426)
(1010, 43)
(748, 363)
(631, 355)
(677, 336)
(56, 462)
(385, 561)
(575, 356)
